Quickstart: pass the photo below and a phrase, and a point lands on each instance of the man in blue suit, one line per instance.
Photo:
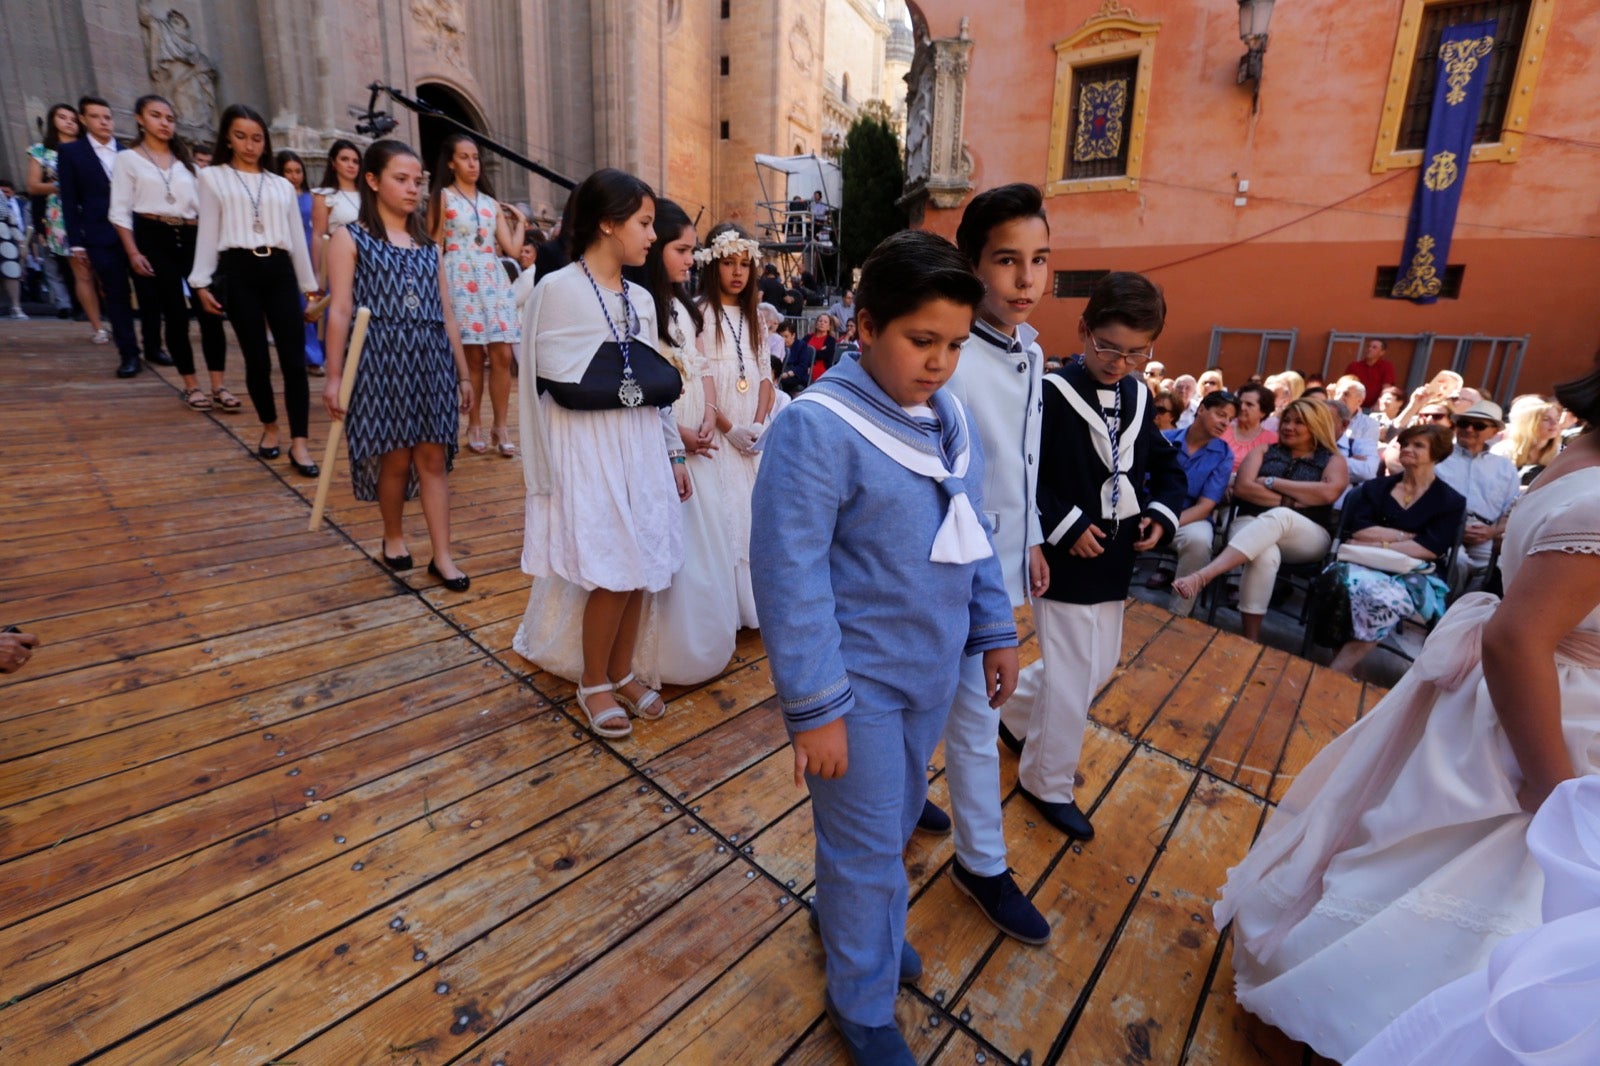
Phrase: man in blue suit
(84, 168)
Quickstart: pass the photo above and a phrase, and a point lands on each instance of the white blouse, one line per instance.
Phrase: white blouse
(139, 187)
(231, 203)
(343, 207)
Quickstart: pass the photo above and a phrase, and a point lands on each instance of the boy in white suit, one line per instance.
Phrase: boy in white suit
(1006, 238)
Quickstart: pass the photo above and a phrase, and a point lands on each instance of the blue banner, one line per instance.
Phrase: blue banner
(1458, 91)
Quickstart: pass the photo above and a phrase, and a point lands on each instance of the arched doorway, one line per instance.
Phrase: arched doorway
(432, 131)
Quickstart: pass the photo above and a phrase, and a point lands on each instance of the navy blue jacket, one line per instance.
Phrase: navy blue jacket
(85, 195)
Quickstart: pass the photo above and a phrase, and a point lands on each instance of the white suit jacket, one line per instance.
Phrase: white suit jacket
(1001, 381)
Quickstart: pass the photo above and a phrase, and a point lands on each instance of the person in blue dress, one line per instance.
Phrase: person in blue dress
(293, 170)
(411, 383)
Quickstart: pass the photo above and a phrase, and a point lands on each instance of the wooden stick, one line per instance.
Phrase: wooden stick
(358, 340)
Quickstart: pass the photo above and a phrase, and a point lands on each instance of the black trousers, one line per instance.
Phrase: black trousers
(261, 293)
(110, 264)
(170, 250)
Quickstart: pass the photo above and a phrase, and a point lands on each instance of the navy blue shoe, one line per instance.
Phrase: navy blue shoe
(870, 1045)
(933, 820)
(1003, 903)
(910, 961)
(1010, 740)
(1064, 816)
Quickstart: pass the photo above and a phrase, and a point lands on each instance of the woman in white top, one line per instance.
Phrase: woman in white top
(251, 264)
(155, 206)
(602, 461)
(736, 352)
(337, 201)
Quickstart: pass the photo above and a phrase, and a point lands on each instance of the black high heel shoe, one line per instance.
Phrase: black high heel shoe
(454, 584)
(304, 469)
(265, 452)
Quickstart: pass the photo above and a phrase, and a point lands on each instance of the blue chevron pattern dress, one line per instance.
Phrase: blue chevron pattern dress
(406, 386)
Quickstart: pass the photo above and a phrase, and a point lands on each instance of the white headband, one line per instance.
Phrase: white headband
(727, 243)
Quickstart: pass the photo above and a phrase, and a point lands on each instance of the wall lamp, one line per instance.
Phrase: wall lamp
(1254, 18)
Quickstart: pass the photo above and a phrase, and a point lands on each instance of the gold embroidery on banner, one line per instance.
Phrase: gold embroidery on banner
(1460, 60)
(1442, 172)
(1112, 96)
(1423, 277)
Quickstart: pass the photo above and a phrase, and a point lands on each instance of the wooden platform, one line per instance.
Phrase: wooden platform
(262, 801)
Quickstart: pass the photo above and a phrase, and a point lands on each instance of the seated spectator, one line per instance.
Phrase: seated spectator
(1533, 436)
(1352, 393)
(1489, 482)
(1248, 431)
(788, 381)
(1387, 412)
(794, 299)
(1286, 492)
(1166, 407)
(1415, 513)
(812, 356)
(1465, 399)
(843, 309)
(1286, 388)
(1208, 464)
(1211, 381)
(1373, 369)
(1443, 387)
(1434, 413)
(795, 224)
(1315, 392)
(1187, 390)
(771, 286)
(849, 343)
(1316, 381)
(1153, 373)
(1360, 454)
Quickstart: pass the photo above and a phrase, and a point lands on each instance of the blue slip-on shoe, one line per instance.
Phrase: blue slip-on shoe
(870, 1045)
(932, 820)
(1010, 740)
(1064, 816)
(1003, 903)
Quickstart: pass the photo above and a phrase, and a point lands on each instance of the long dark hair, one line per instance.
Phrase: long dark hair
(222, 154)
(376, 160)
(442, 174)
(177, 146)
(711, 287)
(52, 136)
(285, 157)
(671, 221)
(607, 195)
(330, 173)
(1581, 396)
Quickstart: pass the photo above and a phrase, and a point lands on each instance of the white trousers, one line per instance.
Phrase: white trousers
(972, 765)
(1193, 544)
(1268, 540)
(1079, 645)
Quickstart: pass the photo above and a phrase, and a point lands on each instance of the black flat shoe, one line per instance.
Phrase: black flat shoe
(1064, 816)
(1010, 740)
(397, 562)
(454, 584)
(932, 820)
(305, 469)
(267, 453)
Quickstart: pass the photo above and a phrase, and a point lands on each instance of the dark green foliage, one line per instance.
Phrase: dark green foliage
(874, 178)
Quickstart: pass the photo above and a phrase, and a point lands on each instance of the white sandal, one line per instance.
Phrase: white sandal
(642, 709)
(608, 714)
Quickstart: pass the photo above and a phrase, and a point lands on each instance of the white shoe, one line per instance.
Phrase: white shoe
(18, 314)
(101, 336)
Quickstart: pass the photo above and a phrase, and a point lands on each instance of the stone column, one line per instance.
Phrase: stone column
(293, 33)
(938, 168)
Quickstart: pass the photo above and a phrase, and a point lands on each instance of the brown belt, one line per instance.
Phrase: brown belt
(171, 220)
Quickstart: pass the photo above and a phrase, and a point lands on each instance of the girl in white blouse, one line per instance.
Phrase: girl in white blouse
(155, 206)
(337, 201)
(252, 246)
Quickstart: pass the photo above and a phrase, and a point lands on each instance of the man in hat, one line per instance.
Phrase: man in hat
(1489, 482)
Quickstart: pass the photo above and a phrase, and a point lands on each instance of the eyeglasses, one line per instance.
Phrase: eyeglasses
(1111, 351)
(1476, 427)
(1435, 416)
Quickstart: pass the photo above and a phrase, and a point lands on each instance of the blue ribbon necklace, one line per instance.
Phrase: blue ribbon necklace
(1114, 431)
(629, 391)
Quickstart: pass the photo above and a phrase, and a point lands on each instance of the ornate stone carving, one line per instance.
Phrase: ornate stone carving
(801, 47)
(444, 27)
(938, 168)
(182, 73)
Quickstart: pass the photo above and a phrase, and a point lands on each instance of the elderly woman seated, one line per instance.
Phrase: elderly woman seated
(1414, 517)
(1286, 493)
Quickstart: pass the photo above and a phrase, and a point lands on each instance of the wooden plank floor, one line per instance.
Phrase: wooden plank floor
(263, 801)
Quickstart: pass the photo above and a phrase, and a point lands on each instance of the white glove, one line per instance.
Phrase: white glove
(744, 437)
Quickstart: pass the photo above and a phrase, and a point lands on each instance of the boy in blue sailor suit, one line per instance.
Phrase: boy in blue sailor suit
(874, 576)
(1006, 238)
(1110, 486)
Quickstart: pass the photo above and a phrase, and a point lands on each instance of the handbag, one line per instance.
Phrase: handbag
(602, 379)
(1384, 560)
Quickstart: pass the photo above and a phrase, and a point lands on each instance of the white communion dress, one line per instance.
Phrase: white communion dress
(733, 355)
(1399, 860)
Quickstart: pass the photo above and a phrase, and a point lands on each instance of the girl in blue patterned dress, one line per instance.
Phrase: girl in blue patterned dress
(412, 379)
(473, 232)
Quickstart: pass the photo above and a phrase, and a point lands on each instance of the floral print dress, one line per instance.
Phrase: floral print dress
(55, 223)
(479, 291)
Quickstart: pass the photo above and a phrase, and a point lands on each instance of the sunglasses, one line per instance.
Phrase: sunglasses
(1435, 416)
(1476, 427)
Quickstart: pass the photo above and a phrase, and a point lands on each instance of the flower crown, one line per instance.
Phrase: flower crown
(727, 243)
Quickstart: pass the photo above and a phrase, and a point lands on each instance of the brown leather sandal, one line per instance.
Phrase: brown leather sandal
(225, 401)
(197, 399)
